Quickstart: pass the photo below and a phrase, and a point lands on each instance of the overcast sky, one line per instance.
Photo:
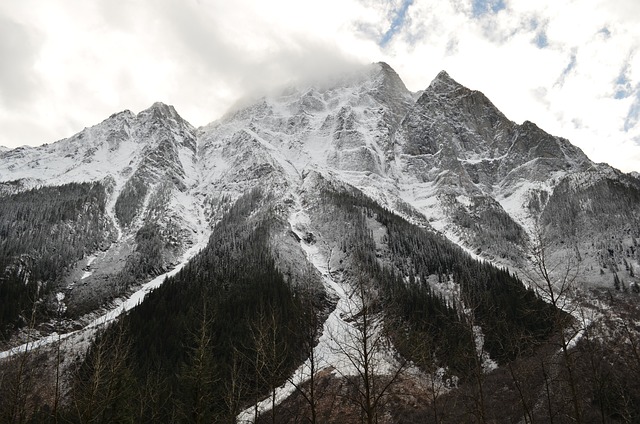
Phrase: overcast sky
(572, 67)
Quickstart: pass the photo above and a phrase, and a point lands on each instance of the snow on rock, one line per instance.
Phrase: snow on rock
(121, 305)
(488, 364)
(339, 339)
(515, 202)
(87, 272)
(114, 148)
(363, 128)
(90, 260)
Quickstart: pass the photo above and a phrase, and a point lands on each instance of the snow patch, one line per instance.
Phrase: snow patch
(122, 305)
(488, 364)
(515, 202)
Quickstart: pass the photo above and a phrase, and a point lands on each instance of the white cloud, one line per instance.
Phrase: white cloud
(73, 65)
(568, 87)
(18, 48)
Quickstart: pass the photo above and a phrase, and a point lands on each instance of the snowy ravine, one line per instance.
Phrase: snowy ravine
(124, 305)
(335, 345)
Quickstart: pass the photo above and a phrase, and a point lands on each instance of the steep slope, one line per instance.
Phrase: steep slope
(450, 158)
(333, 208)
(236, 321)
(145, 164)
(498, 186)
(114, 147)
(345, 126)
(462, 160)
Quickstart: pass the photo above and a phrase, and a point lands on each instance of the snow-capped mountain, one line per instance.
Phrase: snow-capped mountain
(116, 147)
(345, 128)
(451, 155)
(448, 159)
(146, 165)
(302, 196)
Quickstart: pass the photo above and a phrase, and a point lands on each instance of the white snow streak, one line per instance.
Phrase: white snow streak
(335, 345)
(124, 305)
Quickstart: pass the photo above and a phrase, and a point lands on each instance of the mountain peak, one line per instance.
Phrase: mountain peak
(443, 75)
(390, 74)
(385, 67)
(160, 110)
(122, 114)
(391, 80)
(161, 107)
(443, 83)
(530, 126)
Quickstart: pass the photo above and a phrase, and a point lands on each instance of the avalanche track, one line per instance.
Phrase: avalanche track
(336, 346)
(86, 333)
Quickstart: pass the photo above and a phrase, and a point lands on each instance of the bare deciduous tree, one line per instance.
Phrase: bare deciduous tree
(235, 387)
(305, 379)
(555, 281)
(17, 382)
(364, 344)
(269, 361)
(102, 389)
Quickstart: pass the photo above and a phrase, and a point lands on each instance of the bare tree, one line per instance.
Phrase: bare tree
(56, 397)
(555, 280)
(269, 361)
(476, 359)
(104, 380)
(17, 381)
(235, 387)
(153, 396)
(364, 344)
(305, 379)
(423, 354)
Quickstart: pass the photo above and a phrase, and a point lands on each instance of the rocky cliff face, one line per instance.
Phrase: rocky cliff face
(297, 217)
(448, 159)
(146, 165)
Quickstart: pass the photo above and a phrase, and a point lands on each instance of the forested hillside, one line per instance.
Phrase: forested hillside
(344, 251)
(43, 232)
(225, 330)
(411, 277)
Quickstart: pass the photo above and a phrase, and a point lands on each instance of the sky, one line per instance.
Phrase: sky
(570, 66)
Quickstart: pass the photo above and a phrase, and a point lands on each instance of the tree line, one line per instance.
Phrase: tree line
(232, 325)
(221, 334)
(43, 232)
(498, 300)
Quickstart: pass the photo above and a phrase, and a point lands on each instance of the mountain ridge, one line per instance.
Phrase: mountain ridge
(365, 127)
(297, 229)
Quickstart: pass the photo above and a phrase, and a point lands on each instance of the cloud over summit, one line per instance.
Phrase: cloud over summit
(571, 67)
